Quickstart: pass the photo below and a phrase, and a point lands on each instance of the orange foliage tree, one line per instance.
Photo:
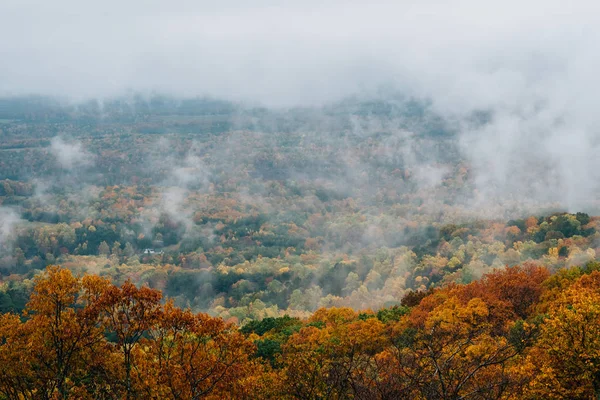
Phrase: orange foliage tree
(86, 338)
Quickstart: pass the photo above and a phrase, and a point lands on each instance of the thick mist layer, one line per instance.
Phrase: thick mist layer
(464, 54)
(529, 68)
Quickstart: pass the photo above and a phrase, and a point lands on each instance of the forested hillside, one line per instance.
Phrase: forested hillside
(266, 212)
(211, 249)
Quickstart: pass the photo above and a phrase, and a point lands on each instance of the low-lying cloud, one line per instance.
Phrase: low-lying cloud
(70, 155)
(9, 219)
(531, 66)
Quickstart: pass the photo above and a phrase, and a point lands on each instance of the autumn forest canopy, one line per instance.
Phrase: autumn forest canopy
(339, 199)
(375, 247)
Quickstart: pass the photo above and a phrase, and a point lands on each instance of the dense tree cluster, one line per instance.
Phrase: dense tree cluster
(517, 333)
(86, 338)
(247, 267)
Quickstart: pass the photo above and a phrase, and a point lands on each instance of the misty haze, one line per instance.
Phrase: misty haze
(299, 200)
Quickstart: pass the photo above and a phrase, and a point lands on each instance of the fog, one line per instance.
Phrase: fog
(70, 155)
(465, 54)
(531, 66)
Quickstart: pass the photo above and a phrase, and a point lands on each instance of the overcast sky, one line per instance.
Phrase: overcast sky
(463, 53)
